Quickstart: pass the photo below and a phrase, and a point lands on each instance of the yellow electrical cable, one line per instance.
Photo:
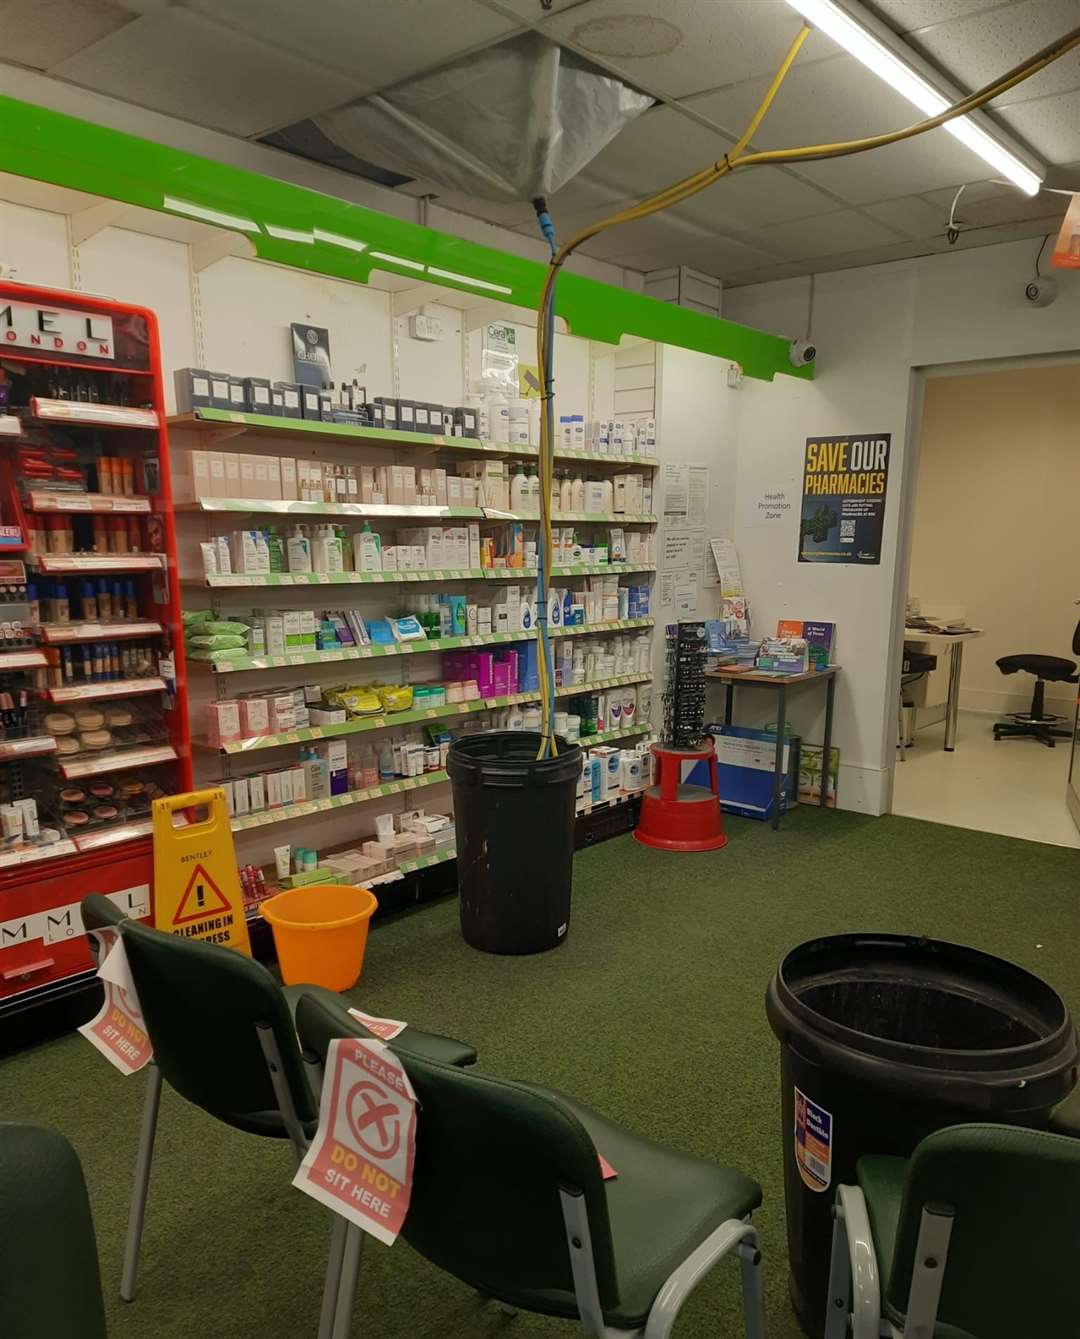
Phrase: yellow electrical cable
(681, 190)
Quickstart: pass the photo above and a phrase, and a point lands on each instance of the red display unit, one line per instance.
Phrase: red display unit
(93, 703)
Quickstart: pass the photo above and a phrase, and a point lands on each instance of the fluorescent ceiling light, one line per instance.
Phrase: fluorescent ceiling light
(290, 234)
(859, 42)
(195, 211)
(396, 260)
(467, 279)
(336, 239)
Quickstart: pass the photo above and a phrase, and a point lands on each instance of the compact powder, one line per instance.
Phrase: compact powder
(88, 719)
(117, 716)
(67, 744)
(75, 818)
(59, 723)
(96, 739)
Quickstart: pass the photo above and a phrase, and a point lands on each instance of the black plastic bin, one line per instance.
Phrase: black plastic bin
(885, 1038)
(515, 839)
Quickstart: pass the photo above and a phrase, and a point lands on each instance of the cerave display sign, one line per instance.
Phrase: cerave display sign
(59, 331)
(843, 498)
(360, 1163)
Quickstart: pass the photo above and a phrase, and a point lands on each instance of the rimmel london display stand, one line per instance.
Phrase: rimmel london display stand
(93, 711)
(676, 816)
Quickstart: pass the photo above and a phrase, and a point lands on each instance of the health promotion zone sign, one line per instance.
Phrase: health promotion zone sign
(843, 498)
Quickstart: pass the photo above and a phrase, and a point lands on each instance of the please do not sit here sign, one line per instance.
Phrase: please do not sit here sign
(360, 1163)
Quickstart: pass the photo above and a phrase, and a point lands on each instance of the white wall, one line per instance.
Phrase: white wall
(872, 326)
(35, 243)
(697, 424)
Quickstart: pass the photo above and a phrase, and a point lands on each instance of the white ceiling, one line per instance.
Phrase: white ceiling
(248, 67)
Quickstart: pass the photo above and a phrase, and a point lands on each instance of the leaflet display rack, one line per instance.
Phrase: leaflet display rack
(93, 704)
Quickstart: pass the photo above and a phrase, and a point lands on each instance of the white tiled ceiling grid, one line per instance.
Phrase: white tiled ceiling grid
(251, 66)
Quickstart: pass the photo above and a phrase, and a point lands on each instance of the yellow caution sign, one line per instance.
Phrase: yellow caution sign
(196, 885)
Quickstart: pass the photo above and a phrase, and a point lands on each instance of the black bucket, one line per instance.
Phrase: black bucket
(514, 817)
(885, 1038)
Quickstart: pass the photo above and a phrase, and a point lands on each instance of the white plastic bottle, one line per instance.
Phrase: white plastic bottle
(298, 550)
(609, 497)
(566, 492)
(535, 410)
(498, 409)
(519, 422)
(578, 493)
(533, 495)
(519, 491)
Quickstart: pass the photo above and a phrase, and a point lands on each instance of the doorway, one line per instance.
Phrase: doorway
(994, 572)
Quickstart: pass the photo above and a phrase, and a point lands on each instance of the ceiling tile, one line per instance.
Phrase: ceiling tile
(39, 33)
(685, 46)
(375, 45)
(911, 215)
(975, 49)
(826, 235)
(716, 256)
(182, 64)
(905, 16)
(1050, 125)
(532, 11)
(752, 198)
(665, 145)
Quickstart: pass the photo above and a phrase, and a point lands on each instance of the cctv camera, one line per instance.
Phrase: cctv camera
(1041, 292)
(802, 352)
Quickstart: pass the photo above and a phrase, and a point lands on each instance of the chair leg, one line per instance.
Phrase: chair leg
(333, 1277)
(350, 1272)
(753, 1288)
(839, 1296)
(141, 1185)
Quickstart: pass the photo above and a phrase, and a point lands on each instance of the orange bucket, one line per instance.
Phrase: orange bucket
(320, 933)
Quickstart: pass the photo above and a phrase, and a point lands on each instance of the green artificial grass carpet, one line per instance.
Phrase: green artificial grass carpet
(651, 1011)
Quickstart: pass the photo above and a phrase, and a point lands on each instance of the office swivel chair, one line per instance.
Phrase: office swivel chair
(1046, 669)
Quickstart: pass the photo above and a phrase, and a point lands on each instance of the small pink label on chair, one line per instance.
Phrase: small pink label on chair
(118, 1030)
(383, 1028)
(360, 1163)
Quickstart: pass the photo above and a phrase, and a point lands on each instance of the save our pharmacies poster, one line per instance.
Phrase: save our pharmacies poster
(843, 498)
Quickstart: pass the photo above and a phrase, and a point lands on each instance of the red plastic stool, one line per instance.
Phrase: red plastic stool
(676, 817)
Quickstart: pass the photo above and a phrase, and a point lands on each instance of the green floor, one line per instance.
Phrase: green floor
(652, 1011)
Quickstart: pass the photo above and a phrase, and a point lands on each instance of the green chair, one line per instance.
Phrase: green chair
(508, 1196)
(49, 1281)
(252, 1077)
(975, 1236)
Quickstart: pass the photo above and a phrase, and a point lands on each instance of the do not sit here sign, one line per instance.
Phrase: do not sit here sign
(360, 1163)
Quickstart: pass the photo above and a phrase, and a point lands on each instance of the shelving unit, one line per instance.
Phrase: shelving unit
(226, 425)
(313, 733)
(243, 664)
(52, 469)
(240, 580)
(326, 823)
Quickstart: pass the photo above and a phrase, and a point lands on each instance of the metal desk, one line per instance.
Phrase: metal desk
(780, 683)
(955, 643)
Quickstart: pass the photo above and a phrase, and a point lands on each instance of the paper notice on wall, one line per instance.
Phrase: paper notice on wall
(726, 561)
(667, 589)
(686, 593)
(677, 492)
(697, 494)
(697, 549)
(678, 547)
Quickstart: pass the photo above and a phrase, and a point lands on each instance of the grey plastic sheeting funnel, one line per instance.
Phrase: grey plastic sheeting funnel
(511, 123)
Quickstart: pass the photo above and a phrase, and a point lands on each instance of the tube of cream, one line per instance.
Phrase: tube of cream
(282, 856)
